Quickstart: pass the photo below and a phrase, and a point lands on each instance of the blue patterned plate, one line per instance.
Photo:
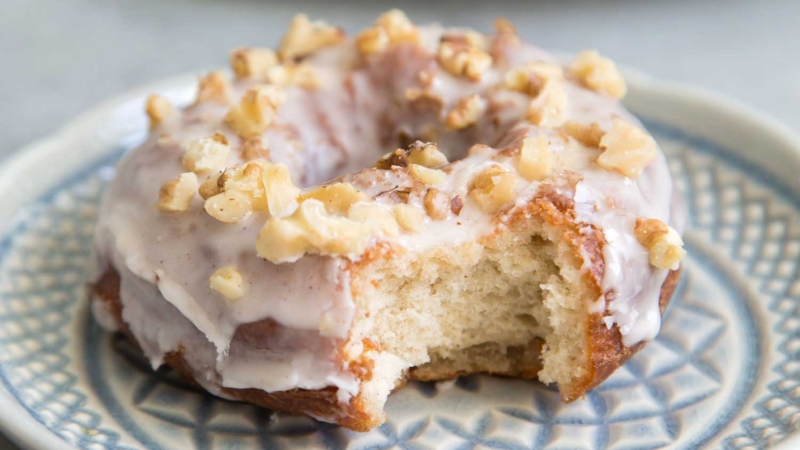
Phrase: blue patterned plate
(724, 372)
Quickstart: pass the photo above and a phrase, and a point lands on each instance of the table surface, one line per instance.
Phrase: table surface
(60, 57)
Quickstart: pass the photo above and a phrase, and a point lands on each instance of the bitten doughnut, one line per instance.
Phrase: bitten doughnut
(344, 214)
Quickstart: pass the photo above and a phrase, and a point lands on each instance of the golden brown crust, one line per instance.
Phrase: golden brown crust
(321, 403)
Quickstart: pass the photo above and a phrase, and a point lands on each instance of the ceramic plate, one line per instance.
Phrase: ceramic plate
(724, 372)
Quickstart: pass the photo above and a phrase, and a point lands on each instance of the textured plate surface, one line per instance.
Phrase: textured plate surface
(724, 372)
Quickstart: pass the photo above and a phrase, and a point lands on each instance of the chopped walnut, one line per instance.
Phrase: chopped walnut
(410, 218)
(627, 149)
(548, 109)
(390, 28)
(426, 154)
(463, 60)
(252, 62)
(535, 159)
(423, 101)
(397, 26)
(158, 109)
(176, 195)
(533, 77)
(337, 197)
(228, 282)
(376, 216)
(663, 243)
(504, 26)
(248, 179)
(256, 111)
(493, 189)
(210, 187)
(372, 40)
(229, 206)
(475, 39)
(466, 112)
(426, 175)
(305, 37)
(397, 158)
(290, 73)
(214, 87)
(437, 204)
(204, 154)
(281, 193)
(588, 135)
(254, 149)
(311, 229)
(599, 73)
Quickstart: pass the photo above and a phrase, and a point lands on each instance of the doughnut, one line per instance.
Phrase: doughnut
(339, 215)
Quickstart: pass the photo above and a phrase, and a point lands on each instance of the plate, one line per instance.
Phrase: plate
(724, 372)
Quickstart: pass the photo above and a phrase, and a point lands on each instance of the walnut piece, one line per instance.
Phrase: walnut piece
(504, 26)
(409, 217)
(535, 159)
(372, 40)
(311, 229)
(627, 149)
(437, 204)
(252, 62)
(376, 216)
(531, 78)
(158, 109)
(290, 73)
(588, 135)
(423, 101)
(337, 197)
(214, 87)
(664, 244)
(254, 149)
(549, 107)
(256, 111)
(466, 112)
(426, 175)
(281, 193)
(176, 195)
(228, 282)
(229, 206)
(246, 178)
(598, 73)
(462, 59)
(305, 37)
(205, 154)
(210, 187)
(493, 189)
(426, 154)
(456, 204)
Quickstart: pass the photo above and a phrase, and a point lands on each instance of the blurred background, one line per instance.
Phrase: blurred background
(60, 57)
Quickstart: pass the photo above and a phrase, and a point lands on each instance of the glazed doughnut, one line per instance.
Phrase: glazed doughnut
(413, 203)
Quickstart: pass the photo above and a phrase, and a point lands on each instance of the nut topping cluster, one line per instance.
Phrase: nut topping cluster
(340, 218)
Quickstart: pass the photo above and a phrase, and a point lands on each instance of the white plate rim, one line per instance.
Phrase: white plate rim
(27, 432)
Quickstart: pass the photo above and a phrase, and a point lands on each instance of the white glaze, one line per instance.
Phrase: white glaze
(165, 259)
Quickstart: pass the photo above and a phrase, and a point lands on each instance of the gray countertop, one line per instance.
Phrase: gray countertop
(60, 57)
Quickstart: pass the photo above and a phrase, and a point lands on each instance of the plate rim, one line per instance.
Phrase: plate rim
(27, 432)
